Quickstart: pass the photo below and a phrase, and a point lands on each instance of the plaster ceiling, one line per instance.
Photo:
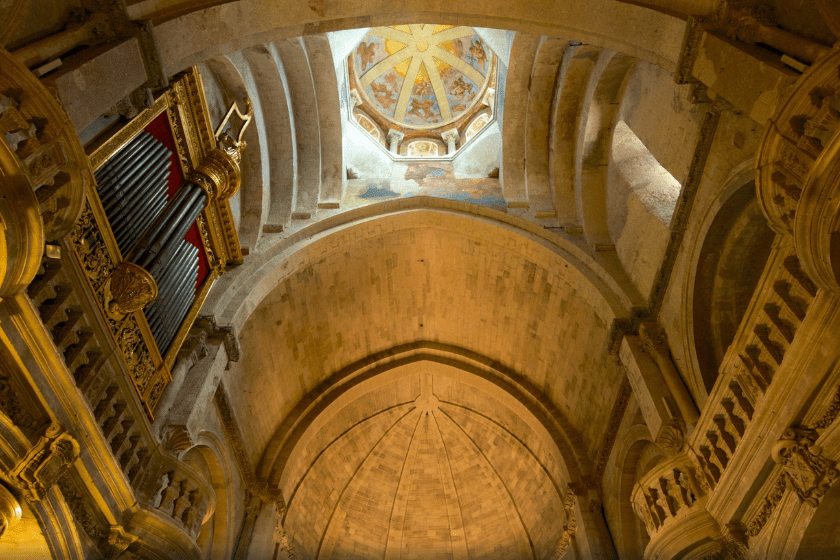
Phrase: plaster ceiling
(422, 76)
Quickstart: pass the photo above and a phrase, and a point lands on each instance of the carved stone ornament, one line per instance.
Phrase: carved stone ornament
(671, 438)
(130, 288)
(177, 439)
(806, 470)
(118, 541)
(10, 512)
(45, 463)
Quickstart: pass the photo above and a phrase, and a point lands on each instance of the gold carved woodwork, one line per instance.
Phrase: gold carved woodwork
(45, 463)
(97, 254)
(10, 511)
(218, 175)
(130, 288)
(807, 472)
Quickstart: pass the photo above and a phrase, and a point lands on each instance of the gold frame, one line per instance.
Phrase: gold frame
(189, 118)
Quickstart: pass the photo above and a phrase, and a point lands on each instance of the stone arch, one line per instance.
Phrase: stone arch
(517, 389)
(217, 536)
(652, 184)
(720, 286)
(214, 30)
(298, 446)
(240, 291)
(593, 141)
(631, 537)
(226, 85)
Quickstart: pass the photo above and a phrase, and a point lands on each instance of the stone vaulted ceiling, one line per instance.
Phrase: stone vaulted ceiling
(424, 462)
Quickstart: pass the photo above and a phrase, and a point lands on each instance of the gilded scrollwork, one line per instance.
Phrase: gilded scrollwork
(116, 301)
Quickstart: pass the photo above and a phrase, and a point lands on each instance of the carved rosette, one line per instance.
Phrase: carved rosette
(807, 472)
(218, 175)
(671, 438)
(45, 463)
(798, 170)
(130, 288)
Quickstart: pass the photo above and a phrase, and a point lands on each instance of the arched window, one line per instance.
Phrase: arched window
(656, 188)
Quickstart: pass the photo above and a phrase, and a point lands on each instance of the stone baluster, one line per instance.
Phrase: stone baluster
(782, 288)
(743, 402)
(708, 466)
(773, 348)
(74, 350)
(120, 438)
(793, 266)
(50, 307)
(182, 502)
(135, 473)
(85, 373)
(786, 329)
(103, 407)
(720, 454)
(62, 331)
(43, 280)
(169, 495)
(110, 424)
(734, 419)
(128, 456)
(727, 437)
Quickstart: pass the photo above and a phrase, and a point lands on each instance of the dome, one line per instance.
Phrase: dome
(422, 76)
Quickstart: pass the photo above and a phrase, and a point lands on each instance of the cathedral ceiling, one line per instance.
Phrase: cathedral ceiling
(364, 294)
(424, 461)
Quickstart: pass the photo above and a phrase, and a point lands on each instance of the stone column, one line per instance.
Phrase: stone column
(592, 537)
(10, 512)
(744, 27)
(656, 402)
(252, 511)
(451, 138)
(394, 139)
(93, 30)
(656, 344)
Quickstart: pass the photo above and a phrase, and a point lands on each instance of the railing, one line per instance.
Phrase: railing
(668, 492)
(181, 493)
(768, 330)
(66, 313)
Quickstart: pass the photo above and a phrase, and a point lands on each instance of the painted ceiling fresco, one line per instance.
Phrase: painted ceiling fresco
(422, 75)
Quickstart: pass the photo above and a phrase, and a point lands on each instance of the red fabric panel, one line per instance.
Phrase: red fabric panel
(159, 128)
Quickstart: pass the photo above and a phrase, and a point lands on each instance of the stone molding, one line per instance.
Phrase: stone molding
(45, 463)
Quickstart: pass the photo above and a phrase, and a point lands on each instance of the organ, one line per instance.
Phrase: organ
(160, 212)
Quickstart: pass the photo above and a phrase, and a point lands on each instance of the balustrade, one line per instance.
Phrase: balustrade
(65, 314)
(768, 330)
(668, 492)
(181, 493)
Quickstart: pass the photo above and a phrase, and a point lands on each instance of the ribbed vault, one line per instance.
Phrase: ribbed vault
(424, 461)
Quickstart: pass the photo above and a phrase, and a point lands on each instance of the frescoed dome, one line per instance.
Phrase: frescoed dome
(422, 76)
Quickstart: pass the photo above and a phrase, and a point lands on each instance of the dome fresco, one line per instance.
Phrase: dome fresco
(422, 76)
